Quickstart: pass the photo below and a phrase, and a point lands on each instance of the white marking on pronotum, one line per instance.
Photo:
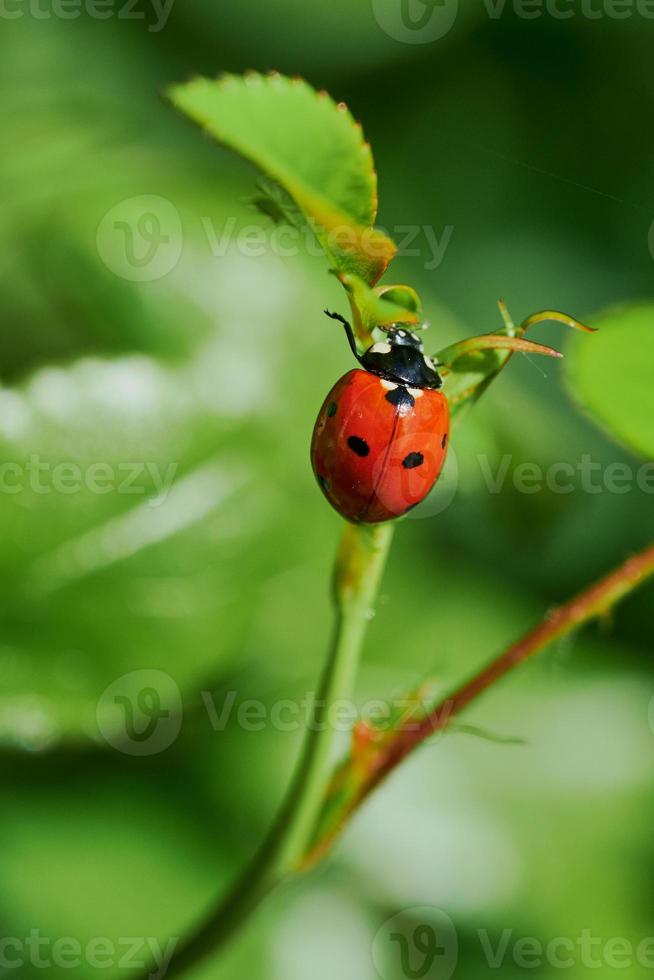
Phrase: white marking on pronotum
(387, 384)
(428, 361)
(381, 348)
(416, 392)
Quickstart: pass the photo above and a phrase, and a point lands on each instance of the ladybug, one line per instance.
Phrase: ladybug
(380, 439)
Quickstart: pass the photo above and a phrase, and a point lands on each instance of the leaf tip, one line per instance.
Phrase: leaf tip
(175, 91)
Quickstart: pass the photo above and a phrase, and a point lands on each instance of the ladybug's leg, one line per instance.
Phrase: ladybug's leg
(348, 330)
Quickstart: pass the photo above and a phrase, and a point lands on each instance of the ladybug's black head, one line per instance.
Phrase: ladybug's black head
(400, 358)
(399, 336)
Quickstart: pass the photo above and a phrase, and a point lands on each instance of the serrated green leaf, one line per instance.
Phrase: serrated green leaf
(612, 377)
(76, 557)
(310, 146)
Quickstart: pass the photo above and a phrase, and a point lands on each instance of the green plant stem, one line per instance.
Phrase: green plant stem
(595, 601)
(359, 566)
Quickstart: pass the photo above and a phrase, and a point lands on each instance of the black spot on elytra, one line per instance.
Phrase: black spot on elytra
(331, 410)
(358, 445)
(412, 460)
(401, 397)
(324, 483)
(444, 441)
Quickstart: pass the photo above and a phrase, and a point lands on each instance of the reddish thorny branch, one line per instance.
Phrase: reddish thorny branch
(589, 604)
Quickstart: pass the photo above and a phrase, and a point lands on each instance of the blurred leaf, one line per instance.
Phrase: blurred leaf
(118, 482)
(613, 378)
(148, 856)
(310, 146)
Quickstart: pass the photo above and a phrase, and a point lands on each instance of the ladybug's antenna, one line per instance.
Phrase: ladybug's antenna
(348, 330)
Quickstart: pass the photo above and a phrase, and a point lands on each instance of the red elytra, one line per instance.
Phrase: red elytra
(379, 445)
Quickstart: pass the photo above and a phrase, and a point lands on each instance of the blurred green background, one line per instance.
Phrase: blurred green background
(530, 140)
